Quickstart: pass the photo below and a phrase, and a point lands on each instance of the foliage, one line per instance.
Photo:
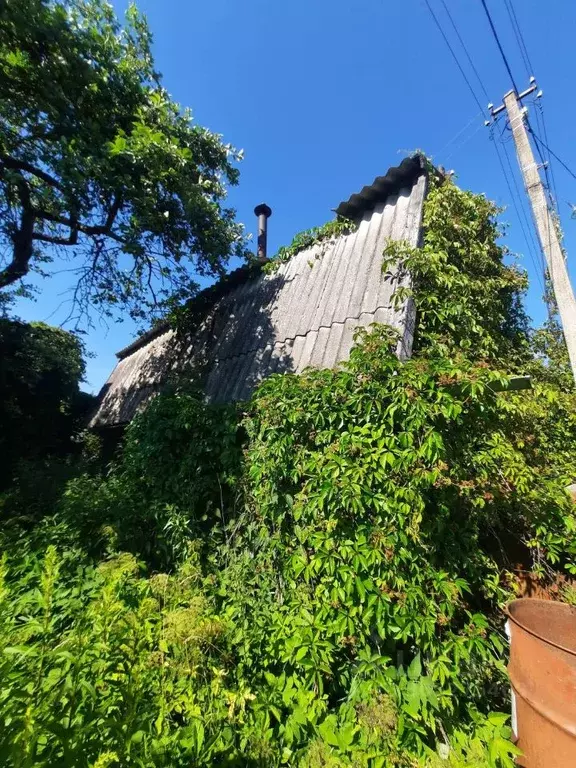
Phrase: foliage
(102, 667)
(310, 237)
(551, 361)
(357, 628)
(337, 552)
(381, 496)
(41, 368)
(173, 482)
(98, 161)
(466, 297)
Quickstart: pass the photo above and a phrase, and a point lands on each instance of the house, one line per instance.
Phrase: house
(305, 313)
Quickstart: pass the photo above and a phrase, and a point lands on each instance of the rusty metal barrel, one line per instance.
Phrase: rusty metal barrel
(542, 672)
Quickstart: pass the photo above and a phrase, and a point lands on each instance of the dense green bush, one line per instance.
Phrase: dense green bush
(175, 480)
(102, 667)
(41, 405)
(381, 496)
(335, 554)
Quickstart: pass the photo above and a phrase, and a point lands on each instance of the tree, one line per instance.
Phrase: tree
(41, 368)
(98, 162)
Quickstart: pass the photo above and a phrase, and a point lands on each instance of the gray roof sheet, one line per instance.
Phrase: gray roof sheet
(382, 187)
(302, 315)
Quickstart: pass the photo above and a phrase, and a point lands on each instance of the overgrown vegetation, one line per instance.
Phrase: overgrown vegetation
(315, 578)
(41, 405)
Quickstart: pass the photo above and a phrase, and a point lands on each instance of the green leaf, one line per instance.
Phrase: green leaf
(327, 731)
(415, 668)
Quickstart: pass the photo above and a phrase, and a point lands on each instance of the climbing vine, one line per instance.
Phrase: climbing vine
(467, 297)
(323, 234)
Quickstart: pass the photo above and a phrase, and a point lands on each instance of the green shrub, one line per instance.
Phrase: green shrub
(380, 496)
(99, 661)
(41, 406)
(174, 481)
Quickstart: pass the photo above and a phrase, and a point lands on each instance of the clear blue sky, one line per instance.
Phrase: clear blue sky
(324, 95)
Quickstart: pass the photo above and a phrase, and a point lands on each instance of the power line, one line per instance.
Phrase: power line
(531, 229)
(539, 109)
(533, 249)
(460, 132)
(465, 50)
(463, 142)
(543, 129)
(480, 107)
(550, 181)
(505, 127)
(545, 162)
(497, 39)
(524, 54)
(562, 163)
(519, 37)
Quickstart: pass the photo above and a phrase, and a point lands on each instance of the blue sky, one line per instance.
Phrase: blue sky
(324, 95)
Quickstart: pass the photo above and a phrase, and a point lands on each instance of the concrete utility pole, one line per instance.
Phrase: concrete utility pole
(547, 229)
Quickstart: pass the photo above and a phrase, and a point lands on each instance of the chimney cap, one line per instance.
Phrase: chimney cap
(263, 209)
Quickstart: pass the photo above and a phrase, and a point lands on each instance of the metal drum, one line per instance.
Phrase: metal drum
(543, 675)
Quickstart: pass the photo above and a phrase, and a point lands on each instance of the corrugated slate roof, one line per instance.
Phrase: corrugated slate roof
(398, 177)
(302, 315)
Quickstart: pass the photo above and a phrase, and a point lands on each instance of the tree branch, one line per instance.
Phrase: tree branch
(72, 222)
(22, 239)
(72, 239)
(113, 212)
(22, 165)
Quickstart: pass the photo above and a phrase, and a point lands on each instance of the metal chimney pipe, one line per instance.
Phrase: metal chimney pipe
(263, 212)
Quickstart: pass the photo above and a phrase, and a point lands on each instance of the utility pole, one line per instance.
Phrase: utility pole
(547, 229)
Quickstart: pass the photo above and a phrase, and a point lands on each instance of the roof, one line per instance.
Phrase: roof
(204, 300)
(304, 314)
(382, 187)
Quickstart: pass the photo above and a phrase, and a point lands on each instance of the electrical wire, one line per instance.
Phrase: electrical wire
(463, 143)
(548, 167)
(472, 91)
(533, 250)
(465, 50)
(498, 43)
(524, 52)
(535, 240)
(544, 162)
(545, 132)
(519, 37)
(562, 163)
(457, 136)
(505, 127)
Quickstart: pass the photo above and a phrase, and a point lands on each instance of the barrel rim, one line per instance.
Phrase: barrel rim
(523, 601)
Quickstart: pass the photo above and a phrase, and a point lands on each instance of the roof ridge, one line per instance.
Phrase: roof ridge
(383, 186)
